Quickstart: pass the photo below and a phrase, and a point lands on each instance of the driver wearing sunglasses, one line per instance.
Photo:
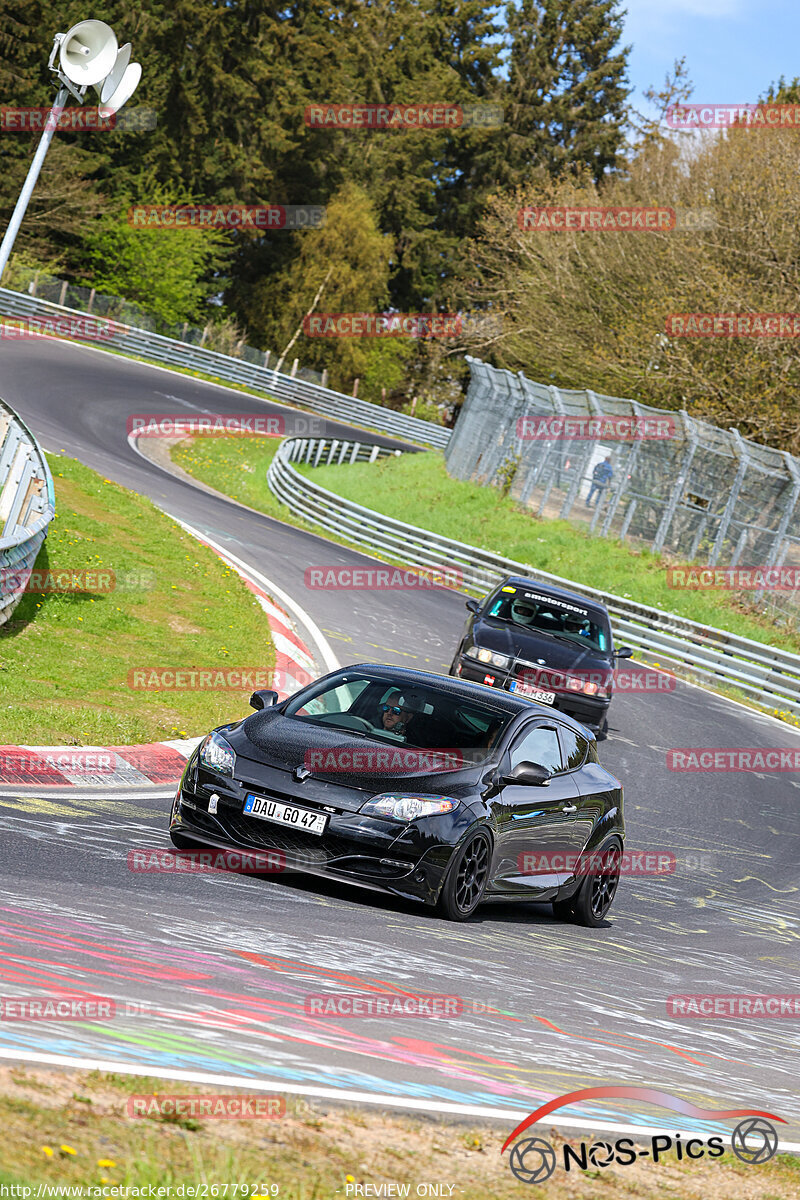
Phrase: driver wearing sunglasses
(394, 716)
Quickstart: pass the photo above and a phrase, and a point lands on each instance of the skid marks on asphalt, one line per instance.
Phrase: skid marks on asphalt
(86, 808)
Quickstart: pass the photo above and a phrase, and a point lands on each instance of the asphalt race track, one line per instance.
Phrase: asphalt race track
(210, 972)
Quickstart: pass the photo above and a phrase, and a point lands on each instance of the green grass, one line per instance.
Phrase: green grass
(416, 488)
(65, 658)
(70, 1128)
(236, 466)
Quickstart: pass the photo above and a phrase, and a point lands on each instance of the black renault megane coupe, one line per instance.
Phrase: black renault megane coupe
(425, 786)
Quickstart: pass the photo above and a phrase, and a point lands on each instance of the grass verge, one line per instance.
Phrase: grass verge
(66, 658)
(314, 1152)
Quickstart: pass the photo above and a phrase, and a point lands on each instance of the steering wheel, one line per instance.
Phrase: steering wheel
(346, 721)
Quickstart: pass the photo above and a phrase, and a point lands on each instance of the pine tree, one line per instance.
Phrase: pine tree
(567, 89)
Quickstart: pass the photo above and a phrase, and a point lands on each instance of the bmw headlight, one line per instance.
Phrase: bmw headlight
(401, 806)
(217, 755)
(488, 656)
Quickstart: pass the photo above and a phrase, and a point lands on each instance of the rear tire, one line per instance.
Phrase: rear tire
(596, 894)
(466, 879)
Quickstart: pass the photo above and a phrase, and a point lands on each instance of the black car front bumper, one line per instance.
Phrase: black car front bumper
(404, 859)
(589, 710)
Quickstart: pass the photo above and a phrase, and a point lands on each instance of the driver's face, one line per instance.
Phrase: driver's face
(394, 721)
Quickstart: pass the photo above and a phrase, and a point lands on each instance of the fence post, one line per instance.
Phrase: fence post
(680, 483)
(552, 449)
(91, 300)
(324, 377)
(780, 532)
(63, 294)
(744, 461)
(293, 371)
(586, 458)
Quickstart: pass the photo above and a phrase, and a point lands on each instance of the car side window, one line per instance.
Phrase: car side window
(540, 745)
(574, 748)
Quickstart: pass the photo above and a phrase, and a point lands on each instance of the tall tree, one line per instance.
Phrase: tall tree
(567, 89)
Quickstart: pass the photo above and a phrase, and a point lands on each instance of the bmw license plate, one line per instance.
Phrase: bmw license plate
(525, 689)
(285, 814)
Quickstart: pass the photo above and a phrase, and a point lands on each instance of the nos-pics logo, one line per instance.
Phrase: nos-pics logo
(534, 1160)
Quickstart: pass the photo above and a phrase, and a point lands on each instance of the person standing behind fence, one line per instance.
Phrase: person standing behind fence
(601, 477)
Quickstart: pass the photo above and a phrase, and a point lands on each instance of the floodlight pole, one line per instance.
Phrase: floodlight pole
(7, 245)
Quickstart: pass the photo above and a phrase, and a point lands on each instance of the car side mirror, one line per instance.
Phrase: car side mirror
(528, 773)
(263, 699)
(473, 606)
(624, 652)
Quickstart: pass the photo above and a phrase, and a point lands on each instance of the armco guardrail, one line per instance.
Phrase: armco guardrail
(27, 506)
(767, 675)
(154, 347)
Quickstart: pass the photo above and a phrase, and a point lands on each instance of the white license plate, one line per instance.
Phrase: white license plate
(285, 814)
(525, 689)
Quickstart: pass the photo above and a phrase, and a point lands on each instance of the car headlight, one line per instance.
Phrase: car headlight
(489, 656)
(217, 755)
(401, 806)
(471, 651)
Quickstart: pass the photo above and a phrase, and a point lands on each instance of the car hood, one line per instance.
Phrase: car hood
(504, 638)
(269, 747)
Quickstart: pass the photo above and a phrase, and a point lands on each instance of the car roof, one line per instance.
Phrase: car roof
(549, 589)
(449, 684)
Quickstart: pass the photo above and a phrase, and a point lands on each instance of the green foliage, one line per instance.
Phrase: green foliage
(169, 272)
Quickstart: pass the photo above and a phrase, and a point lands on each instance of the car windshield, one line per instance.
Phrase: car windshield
(399, 713)
(545, 614)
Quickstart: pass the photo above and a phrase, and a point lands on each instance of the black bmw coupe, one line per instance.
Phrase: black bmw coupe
(545, 642)
(425, 786)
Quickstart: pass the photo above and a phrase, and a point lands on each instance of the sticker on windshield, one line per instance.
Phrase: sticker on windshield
(556, 603)
(508, 589)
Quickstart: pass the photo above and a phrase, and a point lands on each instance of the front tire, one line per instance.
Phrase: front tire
(180, 841)
(466, 879)
(592, 901)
